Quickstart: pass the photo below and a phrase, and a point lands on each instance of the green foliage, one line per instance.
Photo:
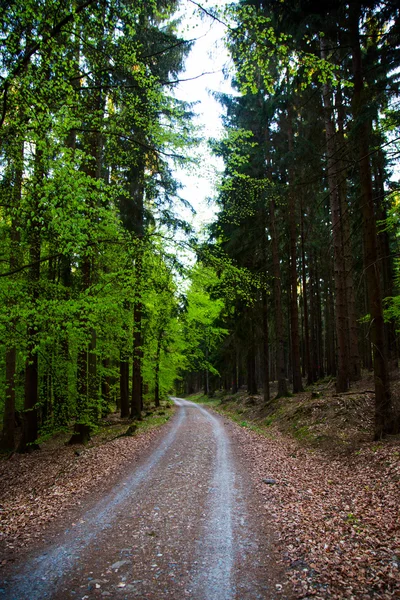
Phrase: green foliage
(90, 129)
(201, 332)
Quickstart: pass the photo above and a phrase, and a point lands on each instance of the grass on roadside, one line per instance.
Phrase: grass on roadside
(317, 417)
(113, 426)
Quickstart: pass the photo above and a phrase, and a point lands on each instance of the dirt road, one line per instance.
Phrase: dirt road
(185, 523)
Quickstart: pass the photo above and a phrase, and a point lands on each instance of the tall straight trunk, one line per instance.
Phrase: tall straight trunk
(137, 390)
(235, 375)
(342, 379)
(264, 359)
(157, 370)
(93, 378)
(353, 350)
(265, 347)
(305, 304)
(385, 258)
(288, 360)
(294, 311)
(313, 322)
(82, 366)
(136, 193)
(61, 382)
(105, 386)
(320, 361)
(302, 341)
(251, 362)
(124, 384)
(88, 382)
(279, 331)
(329, 334)
(124, 365)
(383, 424)
(7, 439)
(31, 389)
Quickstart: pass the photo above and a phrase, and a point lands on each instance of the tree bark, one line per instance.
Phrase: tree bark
(251, 363)
(157, 371)
(279, 331)
(353, 350)
(342, 378)
(385, 258)
(383, 415)
(305, 304)
(294, 311)
(124, 384)
(7, 439)
(265, 347)
(31, 399)
(61, 382)
(137, 399)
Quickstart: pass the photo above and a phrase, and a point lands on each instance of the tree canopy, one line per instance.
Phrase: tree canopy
(298, 278)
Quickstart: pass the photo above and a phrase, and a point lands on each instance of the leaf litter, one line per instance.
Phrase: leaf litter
(337, 517)
(40, 488)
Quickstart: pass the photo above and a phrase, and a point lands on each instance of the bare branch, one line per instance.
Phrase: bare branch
(135, 86)
(4, 111)
(134, 140)
(209, 14)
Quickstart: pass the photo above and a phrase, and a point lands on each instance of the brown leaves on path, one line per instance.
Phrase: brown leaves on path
(40, 488)
(337, 517)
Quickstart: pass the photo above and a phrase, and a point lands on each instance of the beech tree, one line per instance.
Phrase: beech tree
(86, 133)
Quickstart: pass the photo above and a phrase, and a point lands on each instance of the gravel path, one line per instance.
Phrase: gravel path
(184, 523)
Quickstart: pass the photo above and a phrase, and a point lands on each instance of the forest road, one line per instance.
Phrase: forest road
(185, 523)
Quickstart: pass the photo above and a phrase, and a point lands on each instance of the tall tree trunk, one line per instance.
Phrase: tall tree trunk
(137, 388)
(82, 366)
(354, 353)
(329, 328)
(385, 258)
(251, 362)
(31, 399)
(7, 439)
(305, 304)
(235, 374)
(105, 387)
(342, 379)
(279, 331)
(124, 365)
(61, 382)
(383, 424)
(88, 382)
(320, 361)
(157, 370)
(265, 347)
(313, 321)
(137, 398)
(294, 311)
(124, 384)
(124, 369)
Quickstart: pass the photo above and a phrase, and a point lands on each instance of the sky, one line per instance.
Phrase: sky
(208, 55)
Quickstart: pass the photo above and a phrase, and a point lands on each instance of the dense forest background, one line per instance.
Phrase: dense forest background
(296, 280)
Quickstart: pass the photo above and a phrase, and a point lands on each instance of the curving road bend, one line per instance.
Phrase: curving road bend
(185, 523)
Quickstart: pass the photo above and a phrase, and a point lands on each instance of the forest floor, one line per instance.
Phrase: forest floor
(328, 491)
(183, 520)
(333, 492)
(37, 489)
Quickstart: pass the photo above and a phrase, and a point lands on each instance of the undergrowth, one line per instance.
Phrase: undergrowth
(316, 418)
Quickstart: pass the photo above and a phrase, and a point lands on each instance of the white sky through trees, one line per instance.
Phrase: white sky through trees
(208, 56)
